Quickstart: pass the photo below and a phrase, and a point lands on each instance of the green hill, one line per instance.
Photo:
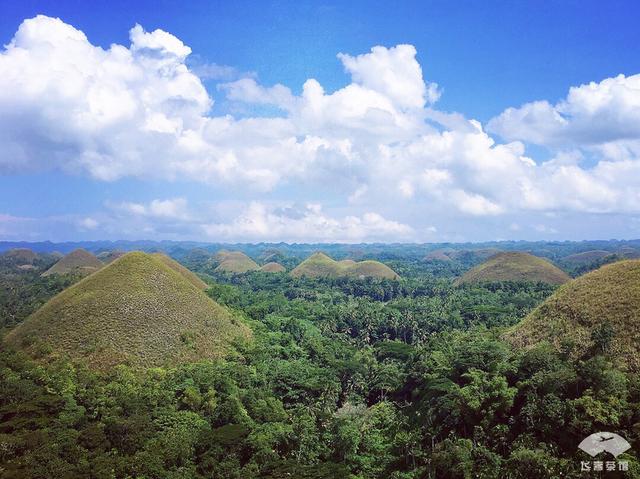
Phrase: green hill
(515, 266)
(79, 261)
(603, 303)
(273, 267)
(235, 262)
(137, 310)
(320, 265)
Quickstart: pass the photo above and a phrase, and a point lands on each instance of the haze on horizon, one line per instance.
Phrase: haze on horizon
(162, 135)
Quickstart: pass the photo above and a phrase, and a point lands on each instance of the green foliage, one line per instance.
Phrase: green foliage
(344, 378)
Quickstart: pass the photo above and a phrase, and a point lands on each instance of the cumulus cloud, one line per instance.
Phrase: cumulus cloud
(171, 209)
(591, 114)
(374, 149)
(309, 224)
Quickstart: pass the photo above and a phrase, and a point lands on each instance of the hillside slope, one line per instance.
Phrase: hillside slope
(137, 310)
(79, 261)
(603, 302)
(186, 273)
(515, 266)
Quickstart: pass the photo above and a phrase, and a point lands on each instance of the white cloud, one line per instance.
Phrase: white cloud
(142, 111)
(168, 209)
(591, 114)
(89, 224)
(310, 224)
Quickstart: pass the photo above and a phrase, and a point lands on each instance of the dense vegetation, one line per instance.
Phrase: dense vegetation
(344, 378)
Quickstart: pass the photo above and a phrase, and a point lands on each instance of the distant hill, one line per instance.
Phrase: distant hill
(107, 257)
(450, 254)
(21, 256)
(235, 262)
(586, 257)
(515, 266)
(273, 267)
(439, 255)
(603, 303)
(320, 265)
(79, 261)
(629, 252)
(137, 310)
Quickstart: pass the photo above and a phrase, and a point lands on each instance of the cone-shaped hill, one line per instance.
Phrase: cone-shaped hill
(600, 309)
(235, 262)
(79, 261)
(188, 274)
(515, 266)
(136, 310)
(273, 267)
(320, 265)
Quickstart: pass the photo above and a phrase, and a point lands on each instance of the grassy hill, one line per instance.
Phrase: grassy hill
(320, 265)
(603, 303)
(137, 310)
(515, 266)
(79, 261)
(235, 262)
(273, 267)
(186, 273)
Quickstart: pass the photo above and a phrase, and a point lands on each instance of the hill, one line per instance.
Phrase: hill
(235, 262)
(78, 261)
(602, 304)
(186, 273)
(320, 265)
(586, 257)
(107, 257)
(273, 267)
(21, 256)
(137, 310)
(628, 252)
(438, 255)
(515, 266)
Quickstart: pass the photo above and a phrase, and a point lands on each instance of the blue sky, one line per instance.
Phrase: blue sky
(382, 154)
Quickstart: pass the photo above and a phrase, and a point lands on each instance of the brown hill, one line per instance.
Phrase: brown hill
(235, 262)
(79, 261)
(515, 266)
(273, 267)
